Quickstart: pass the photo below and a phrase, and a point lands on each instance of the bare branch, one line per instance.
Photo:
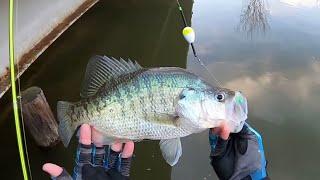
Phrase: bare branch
(254, 18)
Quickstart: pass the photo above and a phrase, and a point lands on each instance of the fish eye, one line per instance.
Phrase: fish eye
(219, 97)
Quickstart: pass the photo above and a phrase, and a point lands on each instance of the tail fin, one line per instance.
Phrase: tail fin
(66, 128)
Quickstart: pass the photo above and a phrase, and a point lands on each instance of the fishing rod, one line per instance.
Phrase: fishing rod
(13, 90)
(189, 36)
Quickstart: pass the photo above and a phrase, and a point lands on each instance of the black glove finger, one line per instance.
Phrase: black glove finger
(220, 147)
(63, 176)
(113, 159)
(83, 157)
(84, 154)
(125, 165)
(98, 155)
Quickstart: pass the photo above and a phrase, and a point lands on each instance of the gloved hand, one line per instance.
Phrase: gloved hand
(96, 162)
(240, 157)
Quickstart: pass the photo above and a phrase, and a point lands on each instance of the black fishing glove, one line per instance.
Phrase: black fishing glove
(99, 163)
(241, 157)
(92, 162)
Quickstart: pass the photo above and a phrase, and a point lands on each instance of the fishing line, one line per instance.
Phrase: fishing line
(21, 113)
(14, 93)
(22, 124)
(193, 48)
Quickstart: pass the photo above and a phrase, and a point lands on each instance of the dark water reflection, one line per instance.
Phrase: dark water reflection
(275, 61)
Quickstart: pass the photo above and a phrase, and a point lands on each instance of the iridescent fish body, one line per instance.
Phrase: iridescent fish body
(124, 102)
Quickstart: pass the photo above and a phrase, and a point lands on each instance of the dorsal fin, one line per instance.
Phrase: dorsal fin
(101, 69)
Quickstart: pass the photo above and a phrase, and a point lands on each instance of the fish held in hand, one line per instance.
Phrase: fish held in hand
(124, 101)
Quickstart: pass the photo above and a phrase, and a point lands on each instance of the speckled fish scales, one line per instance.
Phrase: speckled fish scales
(125, 101)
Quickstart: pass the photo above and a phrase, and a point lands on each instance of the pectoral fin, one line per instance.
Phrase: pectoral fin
(171, 150)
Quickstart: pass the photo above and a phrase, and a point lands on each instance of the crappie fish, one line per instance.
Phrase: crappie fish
(125, 102)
